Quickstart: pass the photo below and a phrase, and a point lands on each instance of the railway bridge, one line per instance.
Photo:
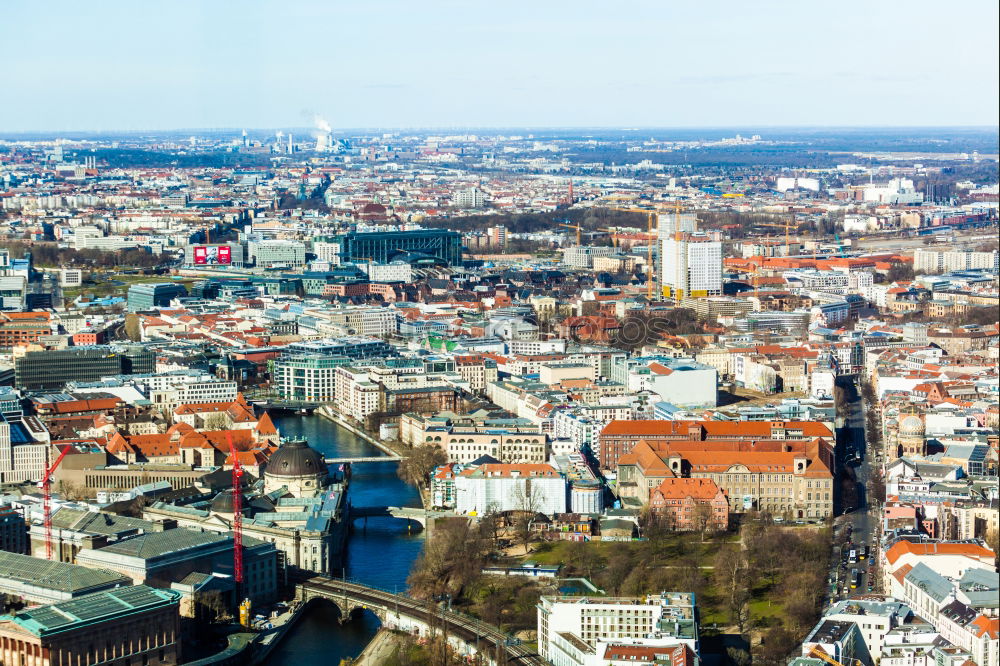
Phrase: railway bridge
(468, 636)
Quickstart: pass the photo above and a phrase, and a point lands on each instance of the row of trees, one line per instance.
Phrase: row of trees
(50, 254)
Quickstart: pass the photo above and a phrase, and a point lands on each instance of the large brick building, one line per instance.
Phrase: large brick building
(21, 328)
(684, 503)
(620, 437)
(789, 479)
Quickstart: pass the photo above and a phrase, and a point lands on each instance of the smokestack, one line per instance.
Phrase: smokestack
(323, 138)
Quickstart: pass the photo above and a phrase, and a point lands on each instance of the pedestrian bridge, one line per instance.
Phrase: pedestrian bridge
(468, 636)
(363, 459)
(425, 517)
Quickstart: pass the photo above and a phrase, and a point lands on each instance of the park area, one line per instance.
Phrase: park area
(764, 584)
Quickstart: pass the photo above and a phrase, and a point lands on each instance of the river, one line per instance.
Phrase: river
(380, 554)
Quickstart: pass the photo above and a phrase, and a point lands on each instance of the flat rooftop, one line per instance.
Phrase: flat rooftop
(58, 576)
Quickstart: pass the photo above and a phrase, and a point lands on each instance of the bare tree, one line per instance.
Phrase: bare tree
(416, 468)
(215, 421)
(702, 517)
(526, 506)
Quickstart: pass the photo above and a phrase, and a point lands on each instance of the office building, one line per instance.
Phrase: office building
(12, 290)
(311, 377)
(213, 256)
(21, 328)
(13, 531)
(70, 277)
(129, 625)
(352, 348)
(155, 295)
(420, 247)
(277, 253)
(396, 271)
(24, 449)
(53, 368)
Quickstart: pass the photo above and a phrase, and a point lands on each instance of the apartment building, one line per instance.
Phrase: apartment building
(570, 629)
(477, 370)
(355, 394)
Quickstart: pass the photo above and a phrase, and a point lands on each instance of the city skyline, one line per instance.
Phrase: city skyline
(449, 65)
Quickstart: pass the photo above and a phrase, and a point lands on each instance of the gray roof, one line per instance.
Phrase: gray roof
(981, 587)
(934, 584)
(60, 576)
(96, 522)
(155, 544)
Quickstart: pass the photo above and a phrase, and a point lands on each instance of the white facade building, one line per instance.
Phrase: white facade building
(691, 266)
(569, 627)
(394, 271)
(497, 487)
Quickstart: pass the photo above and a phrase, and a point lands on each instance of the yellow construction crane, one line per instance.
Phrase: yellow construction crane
(815, 651)
(614, 236)
(651, 233)
(786, 226)
(573, 226)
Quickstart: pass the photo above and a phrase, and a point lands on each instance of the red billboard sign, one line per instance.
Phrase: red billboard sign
(213, 254)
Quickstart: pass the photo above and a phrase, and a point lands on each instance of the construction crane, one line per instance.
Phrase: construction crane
(787, 227)
(613, 233)
(651, 218)
(573, 226)
(237, 516)
(815, 651)
(47, 501)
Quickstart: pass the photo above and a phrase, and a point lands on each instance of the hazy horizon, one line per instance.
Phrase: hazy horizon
(391, 64)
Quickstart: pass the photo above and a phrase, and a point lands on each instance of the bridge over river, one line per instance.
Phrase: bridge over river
(467, 635)
(362, 459)
(425, 517)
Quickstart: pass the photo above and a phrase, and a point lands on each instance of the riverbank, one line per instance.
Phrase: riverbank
(267, 639)
(331, 414)
(382, 647)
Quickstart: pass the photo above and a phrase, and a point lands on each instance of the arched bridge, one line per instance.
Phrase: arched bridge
(423, 516)
(467, 635)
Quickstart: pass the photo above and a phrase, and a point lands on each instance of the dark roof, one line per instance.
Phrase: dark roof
(295, 458)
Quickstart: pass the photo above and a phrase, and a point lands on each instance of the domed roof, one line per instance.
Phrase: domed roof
(911, 425)
(223, 502)
(295, 458)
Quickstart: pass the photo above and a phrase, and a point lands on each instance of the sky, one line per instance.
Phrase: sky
(156, 64)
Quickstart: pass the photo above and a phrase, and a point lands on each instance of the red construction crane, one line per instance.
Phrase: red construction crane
(237, 516)
(47, 501)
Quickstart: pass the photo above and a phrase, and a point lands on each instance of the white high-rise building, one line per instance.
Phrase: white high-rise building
(690, 264)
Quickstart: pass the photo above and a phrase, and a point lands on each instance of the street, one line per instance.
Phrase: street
(856, 525)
